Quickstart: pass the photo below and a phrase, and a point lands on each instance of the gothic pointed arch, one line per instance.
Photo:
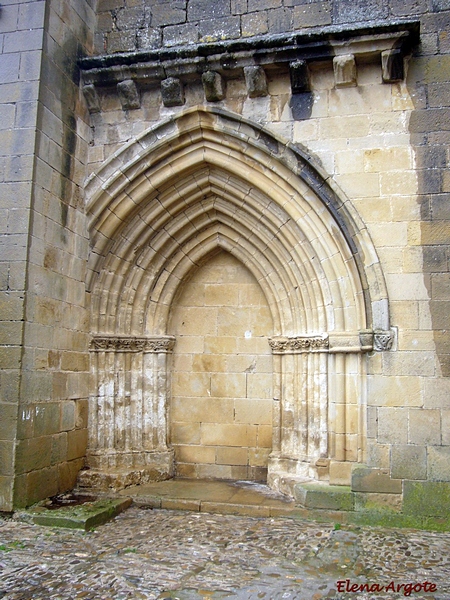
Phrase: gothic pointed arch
(206, 180)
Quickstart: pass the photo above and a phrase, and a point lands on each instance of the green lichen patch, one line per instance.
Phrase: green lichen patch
(427, 498)
(84, 516)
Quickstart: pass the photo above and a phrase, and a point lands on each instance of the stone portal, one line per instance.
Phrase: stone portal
(230, 310)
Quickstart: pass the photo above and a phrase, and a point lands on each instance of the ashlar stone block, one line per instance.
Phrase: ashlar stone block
(365, 479)
(409, 462)
(439, 463)
(426, 498)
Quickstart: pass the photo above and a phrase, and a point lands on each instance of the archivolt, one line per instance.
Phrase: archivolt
(205, 181)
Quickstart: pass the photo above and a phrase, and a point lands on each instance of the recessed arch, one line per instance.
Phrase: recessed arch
(207, 180)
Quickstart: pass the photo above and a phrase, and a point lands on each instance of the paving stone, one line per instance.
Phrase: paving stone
(153, 554)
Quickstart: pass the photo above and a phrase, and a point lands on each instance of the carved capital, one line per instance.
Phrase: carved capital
(159, 344)
(299, 344)
(383, 340)
(162, 344)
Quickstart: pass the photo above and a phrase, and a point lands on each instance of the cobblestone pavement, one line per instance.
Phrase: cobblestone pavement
(148, 553)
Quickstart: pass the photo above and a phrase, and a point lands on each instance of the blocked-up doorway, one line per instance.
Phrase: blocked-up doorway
(230, 310)
(221, 405)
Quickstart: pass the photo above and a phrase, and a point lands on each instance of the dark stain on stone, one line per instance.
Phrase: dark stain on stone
(428, 128)
(301, 106)
(64, 208)
(270, 143)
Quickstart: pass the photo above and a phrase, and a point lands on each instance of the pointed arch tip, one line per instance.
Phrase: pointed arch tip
(249, 157)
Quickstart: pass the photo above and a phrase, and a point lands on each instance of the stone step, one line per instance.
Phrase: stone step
(323, 496)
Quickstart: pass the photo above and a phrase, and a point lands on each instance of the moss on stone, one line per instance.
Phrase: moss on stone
(84, 516)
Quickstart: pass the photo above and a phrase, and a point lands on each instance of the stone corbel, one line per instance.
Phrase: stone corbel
(172, 92)
(92, 99)
(392, 64)
(344, 67)
(299, 75)
(256, 81)
(296, 52)
(213, 86)
(128, 95)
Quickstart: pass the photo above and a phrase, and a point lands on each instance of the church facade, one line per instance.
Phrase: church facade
(225, 248)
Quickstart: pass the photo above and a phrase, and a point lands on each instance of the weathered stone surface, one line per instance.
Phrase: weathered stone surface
(254, 24)
(213, 86)
(92, 98)
(172, 92)
(222, 28)
(366, 479)
(426, 498)
(85, 516)
(439, 463)
(128, 95)
(344, 70)
(256, 82)
(409, 462)
(324, 496)
(311, 15)
(382, 503)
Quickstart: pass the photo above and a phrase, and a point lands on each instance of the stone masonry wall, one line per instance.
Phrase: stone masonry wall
(44, 328)
(385, 145)
(21, 35)
(221, 407)
(128, 25)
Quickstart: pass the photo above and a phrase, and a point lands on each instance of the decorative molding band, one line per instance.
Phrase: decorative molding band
(299, 344)
(335, 342)
(154, 344)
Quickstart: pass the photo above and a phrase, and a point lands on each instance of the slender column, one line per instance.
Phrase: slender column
(304, 403)
(94, 411)
(276, 407)
(322, 375)
(148, 395)
(106, 404)
(119, 401)
(129, 399)
(136, 416)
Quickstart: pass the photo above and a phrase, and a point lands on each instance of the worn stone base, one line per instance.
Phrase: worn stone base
(112, 460)
(284, 472)
(120, 479)
(324, 496)
(85, 516)
(119, 470)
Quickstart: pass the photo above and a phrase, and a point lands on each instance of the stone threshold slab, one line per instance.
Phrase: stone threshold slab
(84, 516)
(223, 497)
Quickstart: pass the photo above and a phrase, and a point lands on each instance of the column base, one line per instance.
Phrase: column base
(285, 472)
(119, 470)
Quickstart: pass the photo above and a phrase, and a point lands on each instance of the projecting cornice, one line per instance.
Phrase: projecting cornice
(172, 68)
